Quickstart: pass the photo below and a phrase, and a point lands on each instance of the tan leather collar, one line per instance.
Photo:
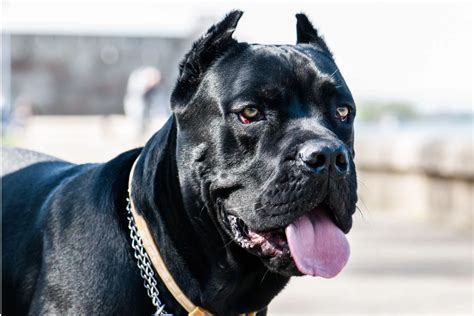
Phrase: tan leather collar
(157, 261)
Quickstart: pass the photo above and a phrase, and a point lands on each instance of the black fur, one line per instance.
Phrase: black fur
(65, 241)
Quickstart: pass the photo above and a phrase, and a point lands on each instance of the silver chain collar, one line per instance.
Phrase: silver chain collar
(144, 264)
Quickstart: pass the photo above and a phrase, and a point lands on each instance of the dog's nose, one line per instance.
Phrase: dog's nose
(320, 156)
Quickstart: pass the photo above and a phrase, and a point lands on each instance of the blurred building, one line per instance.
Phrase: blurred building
(74, 74)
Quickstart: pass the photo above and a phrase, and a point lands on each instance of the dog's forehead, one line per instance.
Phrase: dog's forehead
(296, 55)
(270, 67)
(286, 59)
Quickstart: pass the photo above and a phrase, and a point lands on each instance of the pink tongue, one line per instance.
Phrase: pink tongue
(317, 245)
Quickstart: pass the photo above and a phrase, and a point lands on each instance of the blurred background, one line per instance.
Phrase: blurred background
(87, 80)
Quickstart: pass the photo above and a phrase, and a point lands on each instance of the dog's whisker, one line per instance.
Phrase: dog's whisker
(262, 207)
(198, 218)
(359, 181)
(360, 211)
(202, 209)
(264, 275)
(228, 243)
(240, 207)
(363, 203)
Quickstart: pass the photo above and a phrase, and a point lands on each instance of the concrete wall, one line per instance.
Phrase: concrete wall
(419, 175)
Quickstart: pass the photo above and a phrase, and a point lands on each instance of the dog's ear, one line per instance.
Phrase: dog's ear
(307, 34)
(204, 51)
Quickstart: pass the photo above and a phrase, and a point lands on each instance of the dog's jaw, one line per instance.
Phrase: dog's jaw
(263, 244)
(282, 255)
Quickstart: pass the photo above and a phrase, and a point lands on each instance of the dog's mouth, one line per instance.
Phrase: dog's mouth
(317, 246)
(264, 244)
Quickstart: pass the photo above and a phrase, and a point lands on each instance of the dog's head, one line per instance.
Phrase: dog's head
(265, 138)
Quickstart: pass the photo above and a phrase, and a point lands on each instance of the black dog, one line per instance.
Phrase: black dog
(250, 182)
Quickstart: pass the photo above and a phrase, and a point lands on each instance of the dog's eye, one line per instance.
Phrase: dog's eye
(250, 114)
(343, 113)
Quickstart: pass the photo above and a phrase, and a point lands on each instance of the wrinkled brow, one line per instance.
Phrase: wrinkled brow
(270, 92)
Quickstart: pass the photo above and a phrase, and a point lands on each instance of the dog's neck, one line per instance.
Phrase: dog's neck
(210, 269)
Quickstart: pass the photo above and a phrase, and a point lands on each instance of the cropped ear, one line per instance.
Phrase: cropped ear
(203, 53)
(307, 34)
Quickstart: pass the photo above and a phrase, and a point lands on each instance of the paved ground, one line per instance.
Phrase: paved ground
(398, 266)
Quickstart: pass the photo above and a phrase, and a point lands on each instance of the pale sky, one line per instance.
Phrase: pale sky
(418, 51)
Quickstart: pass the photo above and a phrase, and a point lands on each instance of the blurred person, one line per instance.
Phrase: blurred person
(22, 111)
(15, 120)
(142, 85)
(5, 114)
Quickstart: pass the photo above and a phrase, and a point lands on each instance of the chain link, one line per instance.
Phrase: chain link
(144, 264)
